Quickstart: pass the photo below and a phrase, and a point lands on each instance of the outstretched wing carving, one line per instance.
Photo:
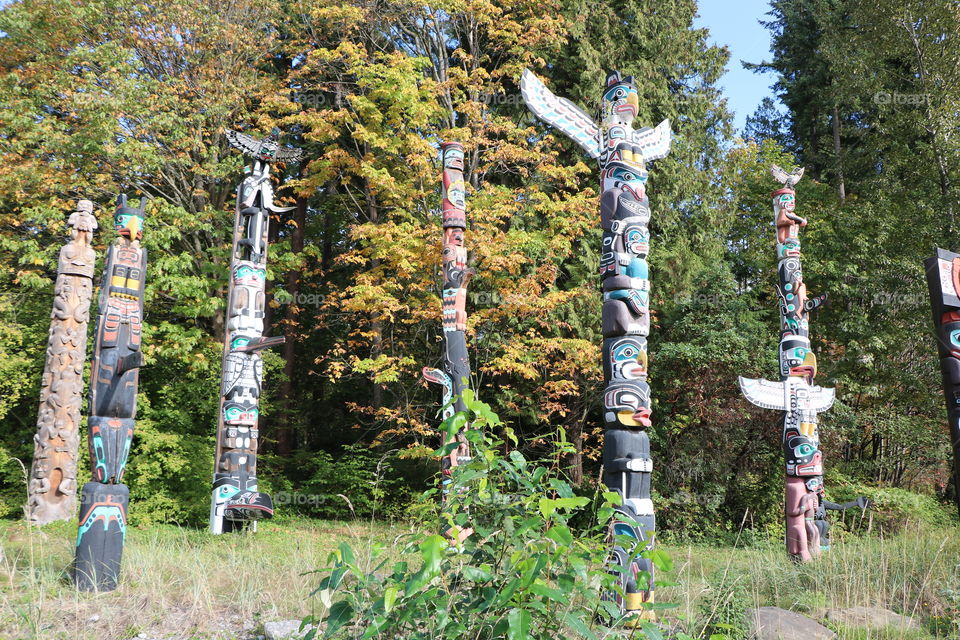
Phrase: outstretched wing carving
(267, 150)
(788, 179)
(654, 143)
(248, 145)
(560, 113)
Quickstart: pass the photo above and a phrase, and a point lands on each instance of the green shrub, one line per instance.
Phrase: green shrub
(521, 574)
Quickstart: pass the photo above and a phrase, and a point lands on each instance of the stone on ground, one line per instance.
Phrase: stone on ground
(871, 618)
(284, 630)
(774, 623)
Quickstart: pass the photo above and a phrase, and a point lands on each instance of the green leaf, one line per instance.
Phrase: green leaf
(560, 534)
(340, 614)
(390, 597)
(578, 625)
(518, 621)
(660, 558)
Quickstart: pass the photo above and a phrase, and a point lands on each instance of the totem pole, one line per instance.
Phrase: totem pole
(795, 394)
(943, 280)
(53, 476)
(455, 376)
(622, 153)
(114, 375)
(235, 500)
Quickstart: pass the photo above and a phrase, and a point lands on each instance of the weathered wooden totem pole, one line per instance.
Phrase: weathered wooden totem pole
(943, 280)
(796, 393)
(53, 476)
(455, 375)
(622, 153)
(236, 501)
(114, 376)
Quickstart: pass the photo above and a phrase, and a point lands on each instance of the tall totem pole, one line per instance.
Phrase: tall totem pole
(235, 500)
(114, 376)
(943, 280)
(795, 394)
(455, 375)
(53, 475)
(622, 153)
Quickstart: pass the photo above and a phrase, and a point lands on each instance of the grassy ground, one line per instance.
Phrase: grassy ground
(181, 583)
(184, 583)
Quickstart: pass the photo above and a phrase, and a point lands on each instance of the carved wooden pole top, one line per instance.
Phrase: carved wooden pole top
(83, 220)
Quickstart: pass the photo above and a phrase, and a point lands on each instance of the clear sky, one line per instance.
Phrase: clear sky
(736, 24)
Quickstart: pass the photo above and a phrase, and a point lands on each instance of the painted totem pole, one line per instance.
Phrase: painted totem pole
(943, 280)
(114, 376)
(795, 394)
(455, 375)
(622, 153)
(53, 476)
(235, 500)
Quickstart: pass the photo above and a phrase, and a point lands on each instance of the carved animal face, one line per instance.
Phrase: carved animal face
(627, 404)
(802, 455)
(630, 178)
(620, 102)
(626, 358)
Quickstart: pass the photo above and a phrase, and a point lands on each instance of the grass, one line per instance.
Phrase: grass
(184, 583)
(181, 583)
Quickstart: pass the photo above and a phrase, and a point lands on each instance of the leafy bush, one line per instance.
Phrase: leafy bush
(360, 482)
(522, 573)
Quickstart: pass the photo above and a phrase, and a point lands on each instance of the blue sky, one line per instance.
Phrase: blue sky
(736, 25)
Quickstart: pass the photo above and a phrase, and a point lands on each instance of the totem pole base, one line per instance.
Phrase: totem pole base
(103, 525)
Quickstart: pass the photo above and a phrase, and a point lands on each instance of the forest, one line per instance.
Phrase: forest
(104, 97)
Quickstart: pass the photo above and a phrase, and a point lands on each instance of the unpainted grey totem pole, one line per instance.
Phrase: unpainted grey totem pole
(622, 153)
(114, 378)
(236, 502)
(454, 378)
(52, 493)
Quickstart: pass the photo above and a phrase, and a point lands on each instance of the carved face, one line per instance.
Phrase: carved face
(786, 201)
(802, 455)
(627, 404)
(630, 178)
(453, 157)
(240, 413)
(249, 275)
(796, 357)
(636, 237)
(129, 223)
(620, 102)
(625, 358)
(951, 336)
